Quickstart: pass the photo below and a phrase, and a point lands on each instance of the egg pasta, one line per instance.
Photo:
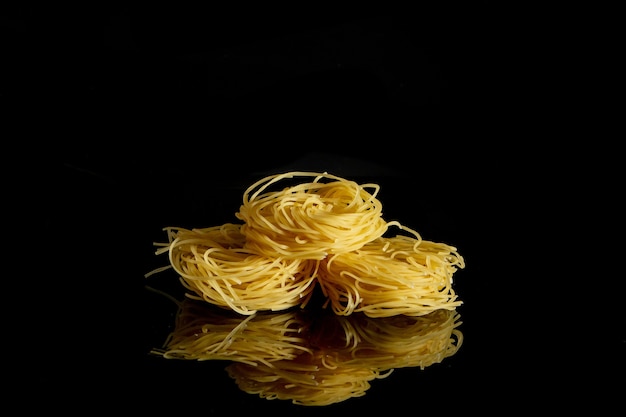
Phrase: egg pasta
(301, 230)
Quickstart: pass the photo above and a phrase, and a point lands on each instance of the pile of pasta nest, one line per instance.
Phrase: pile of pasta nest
(302, 230)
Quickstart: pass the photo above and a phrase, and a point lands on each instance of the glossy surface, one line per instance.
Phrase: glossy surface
(166, 116)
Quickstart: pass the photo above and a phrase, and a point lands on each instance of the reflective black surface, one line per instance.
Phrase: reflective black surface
(149, 118)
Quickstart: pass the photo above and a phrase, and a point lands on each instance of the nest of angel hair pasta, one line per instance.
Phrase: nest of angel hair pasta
(310, 220)
(295, 235)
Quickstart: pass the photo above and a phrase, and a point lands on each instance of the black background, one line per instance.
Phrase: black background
(130, 119)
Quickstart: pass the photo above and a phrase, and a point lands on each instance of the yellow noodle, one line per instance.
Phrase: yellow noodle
(310, 220)
(323, 231)
(391, 276)
(215, 267)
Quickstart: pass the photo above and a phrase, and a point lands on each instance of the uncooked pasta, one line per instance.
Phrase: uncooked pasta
(312, 219)
(305, 230)
(390, 276)
(214, 266)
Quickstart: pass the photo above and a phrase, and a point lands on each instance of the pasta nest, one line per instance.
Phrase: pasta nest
(390, 276)
(310, 220)
(214, 266)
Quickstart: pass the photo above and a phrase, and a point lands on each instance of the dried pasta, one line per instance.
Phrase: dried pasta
(304, 230)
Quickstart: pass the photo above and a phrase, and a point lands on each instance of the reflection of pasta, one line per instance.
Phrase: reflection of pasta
(203, 334)
(310, 357)
(215, 266)
(403, 341)
(390, 276)
(305, 381)
(348, 353)
(312, 219)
